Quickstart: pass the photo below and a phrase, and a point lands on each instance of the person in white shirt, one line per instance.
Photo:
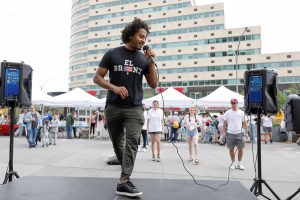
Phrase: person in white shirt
(234, 124)
(191, 123)
(155, 128)
(144, 131)
(220, 119)
(53, 130)
(267, 127)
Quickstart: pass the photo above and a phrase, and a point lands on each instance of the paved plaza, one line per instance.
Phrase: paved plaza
(87, 158)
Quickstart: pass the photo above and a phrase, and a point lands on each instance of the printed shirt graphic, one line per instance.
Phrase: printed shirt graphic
(126, 68)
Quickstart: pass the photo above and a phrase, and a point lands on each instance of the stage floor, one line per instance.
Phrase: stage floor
(73, 188)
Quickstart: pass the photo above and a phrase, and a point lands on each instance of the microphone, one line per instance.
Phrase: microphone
(151, 58)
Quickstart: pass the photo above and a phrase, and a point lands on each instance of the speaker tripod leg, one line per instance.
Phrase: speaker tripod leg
(270, 189)
(9, 176)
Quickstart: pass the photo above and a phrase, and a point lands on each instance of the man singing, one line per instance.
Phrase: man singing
(126, 65)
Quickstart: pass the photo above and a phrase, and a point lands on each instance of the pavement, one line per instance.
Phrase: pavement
(87, 158)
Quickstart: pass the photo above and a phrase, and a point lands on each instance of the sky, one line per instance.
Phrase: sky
(38, 32)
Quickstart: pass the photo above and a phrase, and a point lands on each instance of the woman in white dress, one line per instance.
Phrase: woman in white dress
(155, 129)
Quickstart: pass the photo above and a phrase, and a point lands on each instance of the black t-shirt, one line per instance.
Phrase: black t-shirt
(126, 68)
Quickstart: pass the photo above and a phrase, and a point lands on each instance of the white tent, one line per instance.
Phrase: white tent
(41, 98)
(220, 98)
(172, 98)
(77, 98)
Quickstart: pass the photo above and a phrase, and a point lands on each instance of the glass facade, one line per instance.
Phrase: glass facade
(199, 38)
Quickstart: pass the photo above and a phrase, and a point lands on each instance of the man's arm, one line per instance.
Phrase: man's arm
(99, 80)
(225, 127)
(152, 77)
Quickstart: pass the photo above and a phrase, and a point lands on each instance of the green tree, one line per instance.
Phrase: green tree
(281, 98)
(295, 88)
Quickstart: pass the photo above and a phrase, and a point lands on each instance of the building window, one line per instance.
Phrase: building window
(288, 56)
(229, 32)
(195, 76)
(268, 57)
(289, 71)
(212, 75)
(230, 74)
(179, 77)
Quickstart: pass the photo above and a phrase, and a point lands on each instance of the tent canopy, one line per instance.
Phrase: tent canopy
(220, 98)
(41, 98)
(172, 98)
(77, 98)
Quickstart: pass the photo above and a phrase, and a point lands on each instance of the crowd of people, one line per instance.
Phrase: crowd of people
(44, 128)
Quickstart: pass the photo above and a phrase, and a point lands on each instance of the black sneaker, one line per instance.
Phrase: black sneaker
(128, 189)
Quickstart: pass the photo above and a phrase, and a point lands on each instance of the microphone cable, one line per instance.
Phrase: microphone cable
(177, 150)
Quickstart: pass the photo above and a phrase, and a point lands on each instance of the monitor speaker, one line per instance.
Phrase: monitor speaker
(292, 113)
(15, 84)
(260, 91)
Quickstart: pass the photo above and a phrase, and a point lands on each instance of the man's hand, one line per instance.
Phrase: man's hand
(122, 91)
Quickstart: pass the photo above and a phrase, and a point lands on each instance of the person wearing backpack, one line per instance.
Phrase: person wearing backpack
(174, 124)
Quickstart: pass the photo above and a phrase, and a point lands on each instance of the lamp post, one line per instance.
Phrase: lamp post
(236, 70)
(236, 54)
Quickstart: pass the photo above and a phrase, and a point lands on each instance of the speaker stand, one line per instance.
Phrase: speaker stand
(256, 187)
(10, 173)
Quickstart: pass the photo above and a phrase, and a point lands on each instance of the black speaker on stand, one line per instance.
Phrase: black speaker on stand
(15, 90)
(260, 97)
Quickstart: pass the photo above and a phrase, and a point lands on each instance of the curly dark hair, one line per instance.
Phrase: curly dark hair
(132, 28)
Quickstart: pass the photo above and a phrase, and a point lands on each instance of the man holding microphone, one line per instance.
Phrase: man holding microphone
(127, 65)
